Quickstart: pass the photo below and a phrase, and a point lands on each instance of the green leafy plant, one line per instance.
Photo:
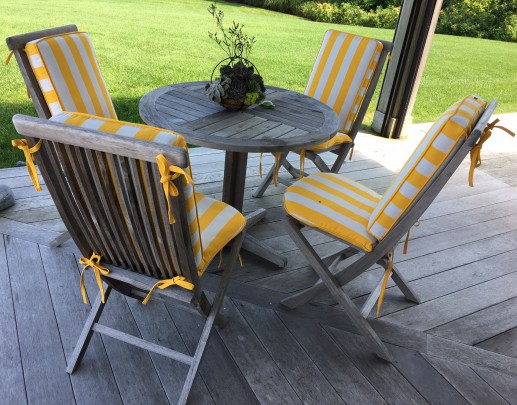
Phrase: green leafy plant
(239, 80)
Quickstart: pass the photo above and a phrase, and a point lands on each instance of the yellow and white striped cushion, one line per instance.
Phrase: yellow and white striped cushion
(342, 73)
(449, 131)
(68, 74)
(129, 129)
(336, 205)
(338, 139)
(219, 223)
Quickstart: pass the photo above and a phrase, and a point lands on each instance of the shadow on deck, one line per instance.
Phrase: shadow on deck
(458, 346)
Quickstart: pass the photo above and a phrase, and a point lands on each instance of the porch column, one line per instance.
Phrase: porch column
(411, 43)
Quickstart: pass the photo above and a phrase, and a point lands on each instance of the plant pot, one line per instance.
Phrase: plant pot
(233, 105)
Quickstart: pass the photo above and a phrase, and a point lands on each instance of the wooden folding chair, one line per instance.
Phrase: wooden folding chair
(372, 225)
(61, 73)
(131, 208)
(344, 77)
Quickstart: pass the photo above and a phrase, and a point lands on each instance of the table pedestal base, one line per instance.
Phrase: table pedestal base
(255, 246)
(233, 194)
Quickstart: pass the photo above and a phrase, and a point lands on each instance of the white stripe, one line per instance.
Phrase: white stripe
(76, 75)
(212, 230)
(60, 117)
(35, 61)
(165, 138)
(328, 67)
(90, 71)
(128, 130)
(56, 76)
(45, 85)
(333, 216)
(408, 190)
(425, 168)
(92, 123)
(318, 192)
(392, 211)
(443, 143)
(55, 108)
(344, 66)
(342, 189)
(357, 81)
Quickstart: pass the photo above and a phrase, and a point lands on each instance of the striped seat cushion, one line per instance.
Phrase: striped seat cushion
(338, 139)
(68, 74)
(336, 205)
(218, 222)
(446, 135)
(342, 73)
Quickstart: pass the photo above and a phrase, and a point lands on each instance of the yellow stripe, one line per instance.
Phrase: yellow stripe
(363, 220)
(59, 56)
(323, 61)
(338, 194)
(93, 62)
(351, 72)
(330, 81)
(354, 187)
(330, 226)
(84, 74)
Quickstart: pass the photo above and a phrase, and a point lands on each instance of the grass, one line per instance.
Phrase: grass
(145, 45)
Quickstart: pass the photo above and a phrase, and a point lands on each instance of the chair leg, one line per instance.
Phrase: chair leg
(209, 324)
(60, 239)
(320, 164)
(266, 181)
(290, 168)
(335, 289)
(87, 332)
(403, 284)
(342, 153)
(372, 298)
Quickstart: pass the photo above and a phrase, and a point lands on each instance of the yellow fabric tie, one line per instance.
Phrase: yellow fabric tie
(9, 57)
(406, 243)
(351, 153)
(278, 155)
(163, 284)
(93, 262)
(169, 174)
(475, 152)
(260, 165)
(31, 167)
(302, 163)
(387, 275)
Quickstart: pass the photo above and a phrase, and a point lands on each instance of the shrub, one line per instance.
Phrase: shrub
(350, 14)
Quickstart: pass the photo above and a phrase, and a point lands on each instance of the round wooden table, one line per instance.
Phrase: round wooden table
(298, 122)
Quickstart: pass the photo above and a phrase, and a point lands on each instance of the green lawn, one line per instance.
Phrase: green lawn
(142, 46)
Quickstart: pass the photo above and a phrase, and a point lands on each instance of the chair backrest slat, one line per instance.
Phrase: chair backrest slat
(112, 198)
(104, 178)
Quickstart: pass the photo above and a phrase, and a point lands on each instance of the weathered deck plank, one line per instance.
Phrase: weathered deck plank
(40, 343)
(12, 384)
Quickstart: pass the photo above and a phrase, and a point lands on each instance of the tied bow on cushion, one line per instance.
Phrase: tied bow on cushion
(475, 152)
(31, 168)
(93, 263)
(168, 174)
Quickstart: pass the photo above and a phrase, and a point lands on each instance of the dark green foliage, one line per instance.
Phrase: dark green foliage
(491, 19)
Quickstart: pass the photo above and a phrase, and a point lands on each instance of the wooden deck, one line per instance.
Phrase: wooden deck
(458, 346)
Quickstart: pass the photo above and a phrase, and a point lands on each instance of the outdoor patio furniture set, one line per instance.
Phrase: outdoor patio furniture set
(126, 195)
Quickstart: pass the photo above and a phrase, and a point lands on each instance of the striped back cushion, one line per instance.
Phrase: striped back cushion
(342, 73)
(68, 74)
(146, 133)
(448, 132)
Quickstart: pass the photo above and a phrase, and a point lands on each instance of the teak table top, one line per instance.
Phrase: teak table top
(297, 122)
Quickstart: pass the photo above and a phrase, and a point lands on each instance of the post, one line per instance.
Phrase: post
(411, 44)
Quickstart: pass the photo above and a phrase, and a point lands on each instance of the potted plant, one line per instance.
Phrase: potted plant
(237, 83)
